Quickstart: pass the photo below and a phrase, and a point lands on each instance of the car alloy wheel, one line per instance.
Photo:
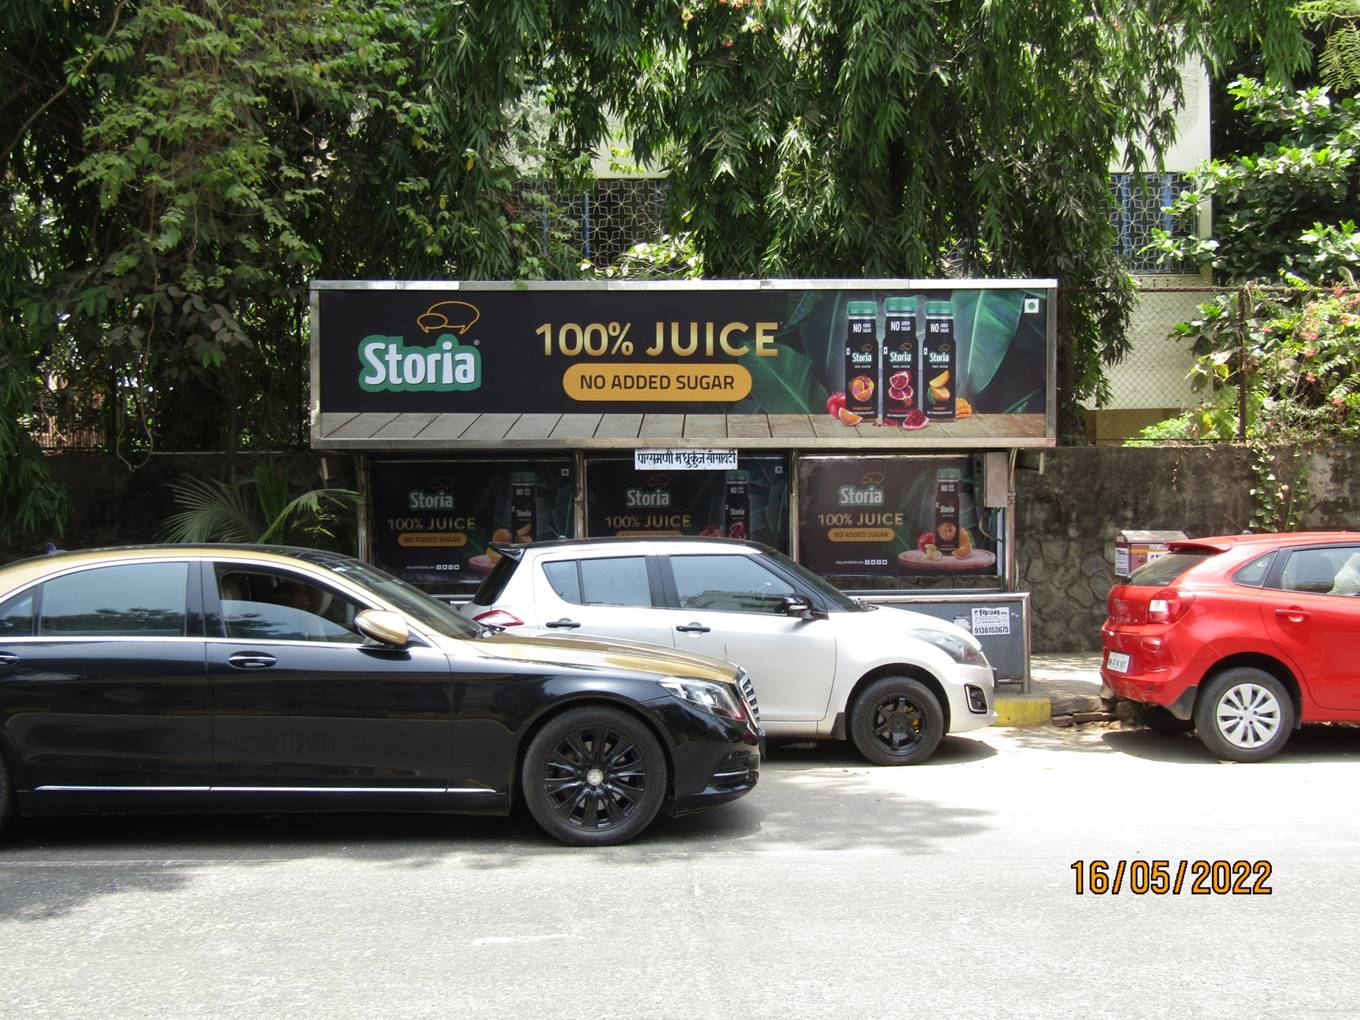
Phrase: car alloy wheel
(896, 721)
(1244, 714)
(594, 776)
(1248, 715)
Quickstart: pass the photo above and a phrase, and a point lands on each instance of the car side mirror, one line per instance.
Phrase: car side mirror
(798, 605)
(384, 627)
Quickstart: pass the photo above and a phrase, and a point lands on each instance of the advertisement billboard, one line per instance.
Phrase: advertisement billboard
(911, 360)
(432, 522)
(894, 517)
(750, 502)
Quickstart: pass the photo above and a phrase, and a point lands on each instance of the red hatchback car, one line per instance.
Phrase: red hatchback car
(1241, 638)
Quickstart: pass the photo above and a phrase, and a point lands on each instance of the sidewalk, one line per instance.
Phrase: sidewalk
(1064, 689)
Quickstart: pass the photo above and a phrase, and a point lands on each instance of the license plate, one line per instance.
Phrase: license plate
(1117, 662)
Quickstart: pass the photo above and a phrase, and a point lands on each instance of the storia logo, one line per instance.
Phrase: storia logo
(869, 492)
(656, 495)
(445, 366)
(439, 496)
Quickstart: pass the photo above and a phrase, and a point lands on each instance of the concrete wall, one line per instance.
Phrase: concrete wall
(1066, 517)
(113, 505)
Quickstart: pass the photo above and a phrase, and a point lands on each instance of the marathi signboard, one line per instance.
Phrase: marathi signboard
(927, 360)
(750, 502)
(433, 522)
(887, 517)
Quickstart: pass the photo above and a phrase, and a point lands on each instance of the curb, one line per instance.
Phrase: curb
(1023, 710)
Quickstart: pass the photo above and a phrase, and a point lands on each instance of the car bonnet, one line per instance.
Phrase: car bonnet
(605, 653)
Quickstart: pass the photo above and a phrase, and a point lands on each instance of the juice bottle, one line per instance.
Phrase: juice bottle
(900, 375)
(737, 505)
(947, 482)
(861, 359)
(523, 509)
(939, 376)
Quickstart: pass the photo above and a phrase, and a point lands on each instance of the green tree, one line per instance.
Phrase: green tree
(177, 170)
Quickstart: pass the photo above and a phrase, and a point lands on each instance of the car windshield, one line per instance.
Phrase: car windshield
(829, 591)
(437, 616)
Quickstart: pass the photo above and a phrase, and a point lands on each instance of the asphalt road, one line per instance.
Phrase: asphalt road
(837, 889)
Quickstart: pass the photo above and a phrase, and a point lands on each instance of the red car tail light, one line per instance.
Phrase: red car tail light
(1168, 606)
(499, 618)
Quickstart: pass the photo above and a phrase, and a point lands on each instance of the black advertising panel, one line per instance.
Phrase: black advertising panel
(918, 358)
(894, 517)
(433, 521)
(751, 502)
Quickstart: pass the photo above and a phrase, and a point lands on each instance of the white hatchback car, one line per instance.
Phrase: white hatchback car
(823, 664)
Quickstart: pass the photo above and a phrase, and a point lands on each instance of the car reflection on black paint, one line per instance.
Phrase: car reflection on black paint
(234, 678)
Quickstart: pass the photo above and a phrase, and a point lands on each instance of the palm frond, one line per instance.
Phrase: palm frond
(213, 512)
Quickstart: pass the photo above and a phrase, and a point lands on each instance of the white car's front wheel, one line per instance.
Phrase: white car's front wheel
(896, 721)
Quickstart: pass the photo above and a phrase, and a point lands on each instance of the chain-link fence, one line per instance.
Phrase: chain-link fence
(1239, 343)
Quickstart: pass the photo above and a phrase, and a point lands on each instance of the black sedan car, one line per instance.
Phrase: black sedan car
(231, 678)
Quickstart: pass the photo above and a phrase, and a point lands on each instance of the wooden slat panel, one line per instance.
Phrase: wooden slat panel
(332, 420)
(662, 426)
(405, 426)
(577, 426)
(362, 426)
(619, 426)
(827, 427)
(447, 427)
(534, 426)
(705, 426)
(490, 426)
(791, 426)
(748, 426)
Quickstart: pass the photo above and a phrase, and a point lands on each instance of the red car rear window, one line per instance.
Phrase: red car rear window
(1165, 569)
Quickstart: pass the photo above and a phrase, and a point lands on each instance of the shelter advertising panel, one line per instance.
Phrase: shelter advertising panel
(894, 517)
(433, 522)
(928, 360)
(750, 502)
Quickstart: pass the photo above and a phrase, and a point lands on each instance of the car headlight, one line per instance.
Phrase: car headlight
(964, 652)
(716, 698)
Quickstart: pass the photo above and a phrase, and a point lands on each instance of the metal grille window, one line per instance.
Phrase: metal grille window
(1141, 205)
(604, 222)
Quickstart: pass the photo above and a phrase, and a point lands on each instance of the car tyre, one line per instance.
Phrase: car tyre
(1159, 720)
(594, 776)
(1244, 714)
(896, 721)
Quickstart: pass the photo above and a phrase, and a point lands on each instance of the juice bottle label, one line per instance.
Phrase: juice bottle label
(861, 367)
(939, 378)
(900, 375)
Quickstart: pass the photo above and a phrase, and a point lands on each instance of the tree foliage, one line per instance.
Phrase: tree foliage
(176, 171)
(1289, 208)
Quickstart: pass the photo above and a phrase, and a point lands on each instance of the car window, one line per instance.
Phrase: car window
(16, 616)
(134, 599)
(1331, 571)
(260, 605)
(565, 579)
(1165, 569)
(731, 584)
(1254, 573)
(611, 581)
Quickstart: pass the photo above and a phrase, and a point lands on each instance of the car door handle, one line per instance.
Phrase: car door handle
(8, 659)
(693, 628)
(564, 622)
(251, 660)
(1293, 614)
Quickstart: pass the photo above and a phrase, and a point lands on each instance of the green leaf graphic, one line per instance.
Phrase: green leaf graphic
(984, 326)
(782, 385)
